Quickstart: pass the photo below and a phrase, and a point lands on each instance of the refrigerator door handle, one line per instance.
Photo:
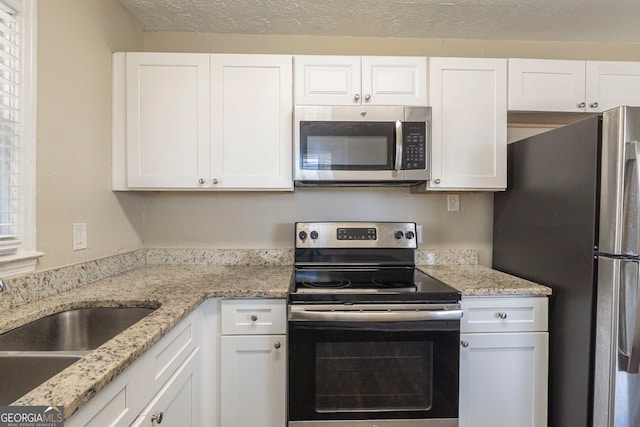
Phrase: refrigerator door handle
(630, 227)
(629, 340)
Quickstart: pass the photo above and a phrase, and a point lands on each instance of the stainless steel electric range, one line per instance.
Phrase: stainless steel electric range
(373, 341)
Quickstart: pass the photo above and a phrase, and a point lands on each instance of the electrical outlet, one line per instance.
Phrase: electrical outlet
(79, 236)
(453, 202)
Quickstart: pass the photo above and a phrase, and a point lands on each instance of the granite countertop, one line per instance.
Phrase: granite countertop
(476, 280)
(179, 289)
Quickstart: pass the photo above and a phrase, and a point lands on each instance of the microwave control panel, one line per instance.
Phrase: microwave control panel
(415, 145)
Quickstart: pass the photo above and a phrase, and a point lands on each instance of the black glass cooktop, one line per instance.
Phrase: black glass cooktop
(362, 284)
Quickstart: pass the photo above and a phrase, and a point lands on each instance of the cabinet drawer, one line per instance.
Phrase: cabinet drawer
(526, 314)
(254, 316)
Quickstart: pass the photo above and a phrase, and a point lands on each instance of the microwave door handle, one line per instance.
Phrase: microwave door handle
(399, 142)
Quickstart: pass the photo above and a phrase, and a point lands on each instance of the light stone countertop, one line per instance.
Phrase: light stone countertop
(178, 290)
(476, 280)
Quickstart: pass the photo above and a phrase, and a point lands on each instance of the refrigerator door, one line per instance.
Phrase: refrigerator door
(620, 182)
(616, 378)
(545, 227)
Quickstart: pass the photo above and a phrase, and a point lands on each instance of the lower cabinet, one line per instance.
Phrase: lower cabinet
(175, 403)
(504, 362)
(253, 355)
(253, 377)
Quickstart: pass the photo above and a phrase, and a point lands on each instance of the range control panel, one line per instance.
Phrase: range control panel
(356, 235)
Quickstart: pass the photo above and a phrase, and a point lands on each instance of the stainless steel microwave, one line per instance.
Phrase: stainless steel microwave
(361, 145)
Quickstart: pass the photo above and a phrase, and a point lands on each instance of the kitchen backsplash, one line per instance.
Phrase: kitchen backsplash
(39, 285)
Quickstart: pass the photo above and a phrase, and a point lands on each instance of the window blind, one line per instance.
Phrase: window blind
(10, 121)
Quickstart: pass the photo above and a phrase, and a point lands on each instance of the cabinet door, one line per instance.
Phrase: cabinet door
(469, 113)
(612, 84)
(546, 85)
(175, 404)
(394, 80)
(253, 380)
(251, 122)
(503, 379)
(167, 120)
(327, 80)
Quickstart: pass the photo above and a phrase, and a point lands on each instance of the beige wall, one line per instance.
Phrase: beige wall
(75, 41)
(223, 43)
(265, 220)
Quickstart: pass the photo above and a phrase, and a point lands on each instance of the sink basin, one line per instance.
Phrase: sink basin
(22, 373)
(72, 330)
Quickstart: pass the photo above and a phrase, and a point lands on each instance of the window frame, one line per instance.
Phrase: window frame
(25, 258)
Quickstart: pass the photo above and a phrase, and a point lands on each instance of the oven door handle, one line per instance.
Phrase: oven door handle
(296, 313)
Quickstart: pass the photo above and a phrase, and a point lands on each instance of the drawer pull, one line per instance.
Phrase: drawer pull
(502, 315)
(465, 344)
(157, 418)
(254, 317)
(276, 345)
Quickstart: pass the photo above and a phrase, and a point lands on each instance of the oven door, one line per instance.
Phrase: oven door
(392, 371)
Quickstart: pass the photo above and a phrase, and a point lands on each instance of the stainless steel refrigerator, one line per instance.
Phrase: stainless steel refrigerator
(570, 219)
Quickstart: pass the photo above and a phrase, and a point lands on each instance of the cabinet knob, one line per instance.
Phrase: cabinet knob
(582, 105)
(356, 97)
(465, 344)
(367, 97)
(276, 345)
(254, 317)
(201, 181)
(593, 105)
(502, 315)
(437, 181)
(157, 418)
(214, 181)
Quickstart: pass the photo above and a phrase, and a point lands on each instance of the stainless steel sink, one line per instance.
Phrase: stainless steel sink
(72, 330)
(35, 352)
(22, 373)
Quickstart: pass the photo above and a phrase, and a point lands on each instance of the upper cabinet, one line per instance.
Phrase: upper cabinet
(251, 116)
(572, 86)
(355, 80)
(200, 121)
(469, 114)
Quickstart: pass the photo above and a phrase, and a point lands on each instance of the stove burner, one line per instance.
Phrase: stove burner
(334, 284)
(385, 283)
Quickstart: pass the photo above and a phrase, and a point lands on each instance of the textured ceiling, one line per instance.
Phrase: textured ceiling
(543, 20)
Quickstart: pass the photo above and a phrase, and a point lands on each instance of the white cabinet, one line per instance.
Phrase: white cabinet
(165, 379)
(504, 362)
(253, 363)
(355, 80)
(200, 121)
(251, 118)
(572, 86)
(167, 131)
(469, 116)
(175, 403)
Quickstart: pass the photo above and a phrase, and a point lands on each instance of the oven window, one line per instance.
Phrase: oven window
(347, 145)
(373, 376)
